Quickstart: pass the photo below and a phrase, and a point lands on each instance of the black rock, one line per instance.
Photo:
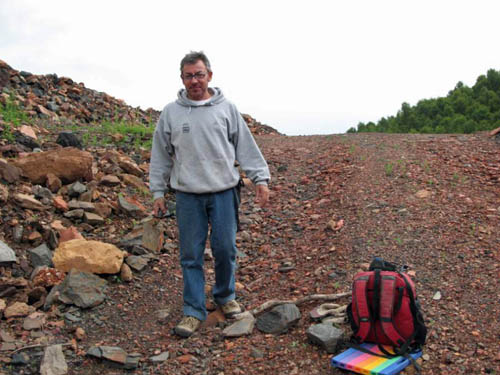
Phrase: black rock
(279, 319)
(325, 335)
(26, 141)
(68, 139)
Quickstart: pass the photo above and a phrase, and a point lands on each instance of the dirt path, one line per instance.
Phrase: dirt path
(448, 237)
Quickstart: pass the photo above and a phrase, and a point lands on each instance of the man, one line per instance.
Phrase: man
(196, 142)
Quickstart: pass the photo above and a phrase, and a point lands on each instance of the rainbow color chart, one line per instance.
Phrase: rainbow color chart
(364, 363)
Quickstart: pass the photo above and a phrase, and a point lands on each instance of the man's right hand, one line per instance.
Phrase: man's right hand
(159, 207)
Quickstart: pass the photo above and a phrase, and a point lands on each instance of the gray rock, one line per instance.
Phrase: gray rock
(82, 289)
(86, 206)
(52, 297)
(162, 357)
(116, 355)
(41, 256)
(137, 262)
(130, 208)
(74, 214)
(6, 253)
(76, 188)
(53, 239)
(92, 219)
(241, 327)
(163, 315)
(53, 362)
(51, 106)
(41, 192)
(17, 233)
(152, 236)
(279, 319)
(325, 335)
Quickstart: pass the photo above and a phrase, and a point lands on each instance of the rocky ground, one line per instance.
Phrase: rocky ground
(431, 203)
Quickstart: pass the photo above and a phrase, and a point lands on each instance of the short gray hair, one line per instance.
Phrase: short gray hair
(193, 57)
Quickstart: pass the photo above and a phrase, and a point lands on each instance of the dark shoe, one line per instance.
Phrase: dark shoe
(230, 309)
(187, 326)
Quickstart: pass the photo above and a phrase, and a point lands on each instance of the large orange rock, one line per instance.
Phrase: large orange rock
(88, 256)
(69, 164)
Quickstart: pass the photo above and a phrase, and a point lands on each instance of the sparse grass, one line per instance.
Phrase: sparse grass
(138, 135)
(389, 168)
(13, 116)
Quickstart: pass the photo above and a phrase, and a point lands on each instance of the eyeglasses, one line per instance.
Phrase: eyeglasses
(189, 77)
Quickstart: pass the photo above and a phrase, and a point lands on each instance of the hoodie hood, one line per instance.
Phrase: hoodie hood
(216, 98)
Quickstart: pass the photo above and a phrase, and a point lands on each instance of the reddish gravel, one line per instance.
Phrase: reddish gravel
(448, 238)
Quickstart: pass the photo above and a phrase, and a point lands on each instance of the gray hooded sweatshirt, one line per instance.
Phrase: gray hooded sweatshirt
(196, 144)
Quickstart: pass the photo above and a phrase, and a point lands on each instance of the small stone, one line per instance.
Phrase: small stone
(6, 253)
(80, 333)
(423, 193)
(162, 315)
(137, 262)
(152, 236)
(279, 319)
(110, 180)
(34, 236)
(86, 206)
(53, 183)
(92, 219)
(325, 335)
(17, 309)
(67, 138)
(126, 273)
(53, 362)
(17, 233)
(74, 214)
(29, 202)
(68, 234)
(35, 320)
(41, 192)
(162, 357)
(60, 204)
(4, 193)
(76, 188)
(131, 206)
(41, 256)
(241, 327)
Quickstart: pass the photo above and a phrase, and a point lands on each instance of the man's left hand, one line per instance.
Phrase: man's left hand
(262, 197)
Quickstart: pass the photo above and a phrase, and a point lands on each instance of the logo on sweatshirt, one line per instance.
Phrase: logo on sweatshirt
(185, 128)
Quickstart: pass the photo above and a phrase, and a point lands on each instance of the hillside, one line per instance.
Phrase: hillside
(430, 202)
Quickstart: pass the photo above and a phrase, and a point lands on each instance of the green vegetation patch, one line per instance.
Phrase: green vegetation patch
(464, 110)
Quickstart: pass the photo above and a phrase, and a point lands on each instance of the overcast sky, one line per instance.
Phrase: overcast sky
(303, 67)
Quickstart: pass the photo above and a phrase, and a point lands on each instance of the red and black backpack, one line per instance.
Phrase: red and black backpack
(385, 310)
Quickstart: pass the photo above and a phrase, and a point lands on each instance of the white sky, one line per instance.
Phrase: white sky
(303, 67)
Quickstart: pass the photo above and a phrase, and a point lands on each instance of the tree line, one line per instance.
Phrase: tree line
(464, 110)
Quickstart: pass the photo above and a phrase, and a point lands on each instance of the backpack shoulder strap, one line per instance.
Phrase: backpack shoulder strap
(387, 293)
(360, 298)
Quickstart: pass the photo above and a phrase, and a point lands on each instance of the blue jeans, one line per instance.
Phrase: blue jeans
(194, 213)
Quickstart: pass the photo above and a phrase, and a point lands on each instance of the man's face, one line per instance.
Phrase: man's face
(195, 78)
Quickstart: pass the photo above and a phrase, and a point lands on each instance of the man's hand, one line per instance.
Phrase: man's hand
(159, 207)
(262, 197)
